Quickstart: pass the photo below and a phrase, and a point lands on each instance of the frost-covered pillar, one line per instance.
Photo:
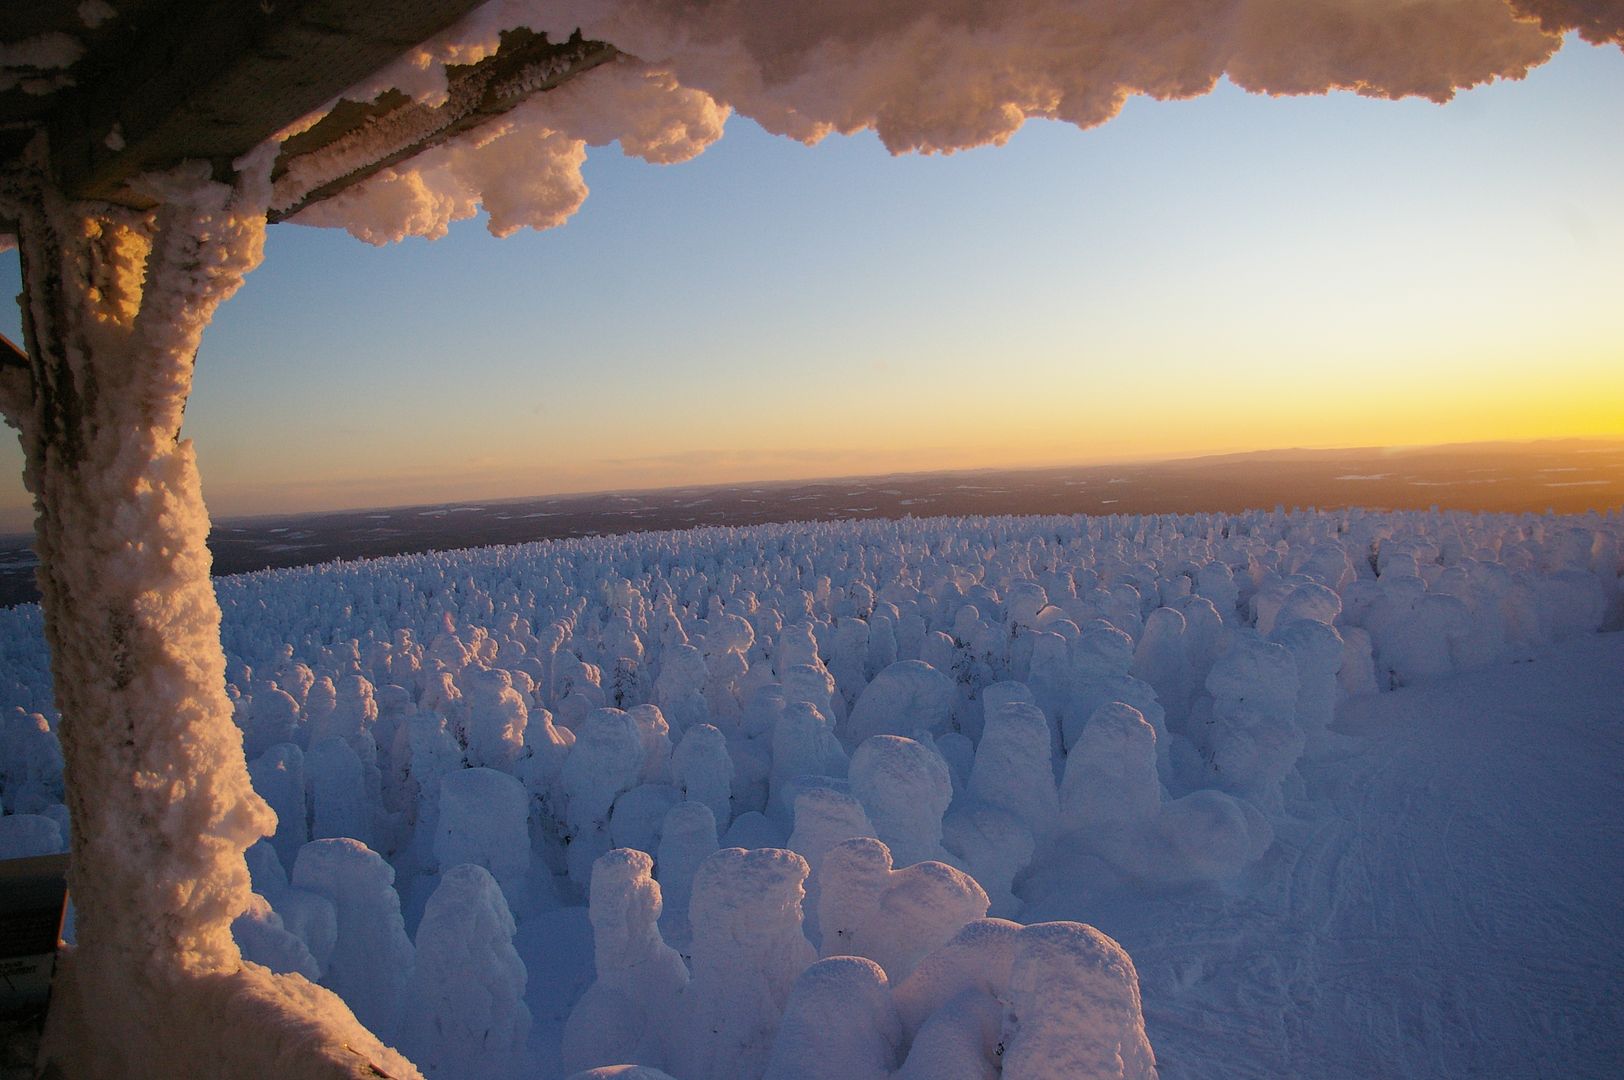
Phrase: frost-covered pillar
(114, 304)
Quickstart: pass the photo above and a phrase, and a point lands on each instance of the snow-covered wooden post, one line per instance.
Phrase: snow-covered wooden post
(114, 303)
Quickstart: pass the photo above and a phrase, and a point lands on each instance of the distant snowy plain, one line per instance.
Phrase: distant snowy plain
(1347, 787)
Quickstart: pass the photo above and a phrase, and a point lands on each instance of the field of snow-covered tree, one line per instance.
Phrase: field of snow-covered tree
(1344, 785)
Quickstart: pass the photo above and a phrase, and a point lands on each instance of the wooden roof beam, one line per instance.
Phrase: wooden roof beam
(211, 80)
(355, 141)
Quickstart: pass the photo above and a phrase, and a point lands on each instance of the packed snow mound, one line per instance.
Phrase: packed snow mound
(906, 698)
(906, 787)
(628, 1012)
(371, 964)
(894, 917)
(839, 1024)
(743, 750)
(465, 1012)
(1074, 1008)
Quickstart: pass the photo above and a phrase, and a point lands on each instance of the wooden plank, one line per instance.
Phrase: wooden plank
(527, 63)
(211, 80)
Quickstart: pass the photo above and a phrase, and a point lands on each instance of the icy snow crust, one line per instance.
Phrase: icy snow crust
(549, 809)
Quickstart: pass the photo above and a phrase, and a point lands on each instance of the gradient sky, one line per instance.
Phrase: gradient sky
(1229, 273)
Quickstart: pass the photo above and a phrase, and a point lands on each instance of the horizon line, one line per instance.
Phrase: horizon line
(1094, 463)
(840, 477)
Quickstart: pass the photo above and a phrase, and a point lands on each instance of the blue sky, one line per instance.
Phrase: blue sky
(1228, 273)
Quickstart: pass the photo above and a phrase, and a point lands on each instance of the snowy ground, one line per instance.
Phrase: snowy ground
(1347, 787)
(1446, 902)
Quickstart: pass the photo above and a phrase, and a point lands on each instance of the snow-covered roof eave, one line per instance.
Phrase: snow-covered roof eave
(158, 82)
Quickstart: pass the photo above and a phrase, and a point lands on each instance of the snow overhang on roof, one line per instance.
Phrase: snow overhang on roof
(124, 87)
